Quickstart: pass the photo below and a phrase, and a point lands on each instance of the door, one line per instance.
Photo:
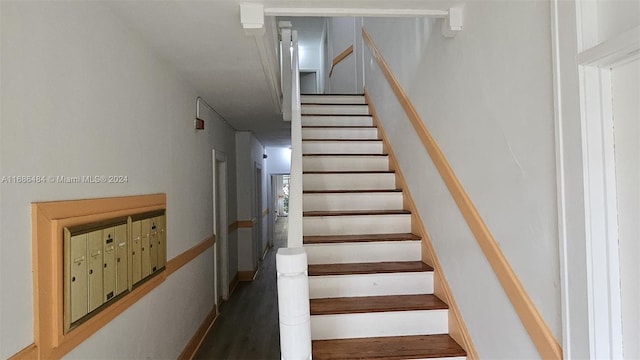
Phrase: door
(258, 236)
(221, 262)
(625, 89)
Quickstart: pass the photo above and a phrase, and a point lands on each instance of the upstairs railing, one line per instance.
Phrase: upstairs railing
(291, 262)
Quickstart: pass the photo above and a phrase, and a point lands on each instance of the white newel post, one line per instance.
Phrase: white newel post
(293, 304)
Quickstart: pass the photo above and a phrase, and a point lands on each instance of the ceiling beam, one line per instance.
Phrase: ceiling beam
(368, 12)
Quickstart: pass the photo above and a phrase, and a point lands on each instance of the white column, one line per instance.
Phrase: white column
(286, 67)
(293, 304)
(295, 186)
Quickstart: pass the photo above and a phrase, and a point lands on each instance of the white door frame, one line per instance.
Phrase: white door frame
(587, 211)
(221, 246)
(257, 201)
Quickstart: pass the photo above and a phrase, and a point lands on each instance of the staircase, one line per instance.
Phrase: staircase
(371, 295)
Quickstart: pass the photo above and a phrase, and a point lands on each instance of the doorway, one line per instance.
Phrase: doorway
(278, 201)
(609, 106)
(625, 91)
(308, 82)
(259, 245)
(221, 253)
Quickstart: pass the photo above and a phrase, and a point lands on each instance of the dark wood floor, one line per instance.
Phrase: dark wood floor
(247, 327)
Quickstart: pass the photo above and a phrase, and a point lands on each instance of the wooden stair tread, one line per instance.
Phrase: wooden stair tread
(368, 304)
(343, 140)
(355, 212)
(332, 104)
(359, 238)
(387, 348)
(344, 154)
(333, 94)
(368, 268)
(351, 191)
(339, 127)
(350, 172)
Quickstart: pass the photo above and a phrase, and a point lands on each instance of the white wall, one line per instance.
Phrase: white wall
(279, 160)
(249, 156)
(616, 16)
(486, 97)
(83, 95)
(342, 34)
(309, 58)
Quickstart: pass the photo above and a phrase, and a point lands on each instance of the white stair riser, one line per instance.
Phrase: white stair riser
(402, 283)
(332, 99)
(342, 147)
(379, 181)
(352, 201)
(444, 358)
(391, 323)
(345, 163)
(364, 252)
(335, 109)
(338, 133)
(320, 120)
(356, 224)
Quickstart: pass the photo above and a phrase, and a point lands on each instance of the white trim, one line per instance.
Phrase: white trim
(623, 47)
(369, 12)
(587, 249)
(603, 267)
(560, 183)
(266, 44)
(286, 72)
(222, 238)
(605, 318)
(294, 236)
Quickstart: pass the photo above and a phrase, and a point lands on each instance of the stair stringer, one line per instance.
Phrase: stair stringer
(457, 329)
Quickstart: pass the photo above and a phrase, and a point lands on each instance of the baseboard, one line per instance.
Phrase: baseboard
(196, 341)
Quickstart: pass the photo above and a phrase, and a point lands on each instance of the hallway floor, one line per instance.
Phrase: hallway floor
(247, 327)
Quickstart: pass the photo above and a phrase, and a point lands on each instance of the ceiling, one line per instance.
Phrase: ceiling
(204, 40)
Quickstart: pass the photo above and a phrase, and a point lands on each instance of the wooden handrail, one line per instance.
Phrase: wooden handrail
(343, 55)
(533, 322)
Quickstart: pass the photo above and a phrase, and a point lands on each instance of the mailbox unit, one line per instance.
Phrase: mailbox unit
(103, 261)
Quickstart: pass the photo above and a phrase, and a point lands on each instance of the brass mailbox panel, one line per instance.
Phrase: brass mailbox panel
(109, 260)
(162, 246)
(103, 261)
(153, 245)
(77, 283)
(122, 263)
(136, 252)
(145, 226)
